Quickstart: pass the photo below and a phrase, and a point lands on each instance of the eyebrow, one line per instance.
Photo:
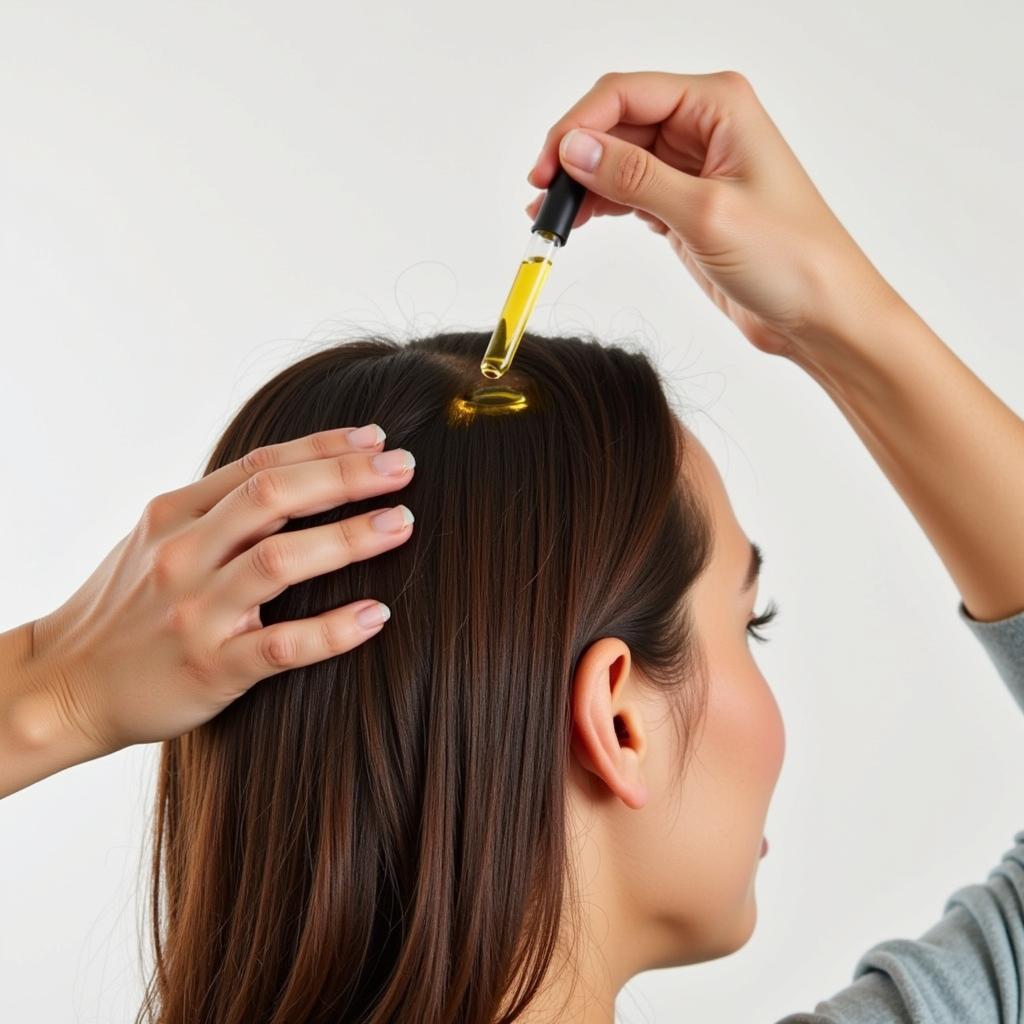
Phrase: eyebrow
(753, 569)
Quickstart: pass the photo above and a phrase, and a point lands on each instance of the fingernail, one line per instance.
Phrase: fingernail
(396, 461)
(367, 437)
(391, 519)
(373, 615)
(581, 150)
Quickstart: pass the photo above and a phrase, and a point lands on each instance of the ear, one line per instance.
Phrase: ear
(608, 734)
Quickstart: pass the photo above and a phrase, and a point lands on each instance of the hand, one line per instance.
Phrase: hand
(700, 161)
(166, 632)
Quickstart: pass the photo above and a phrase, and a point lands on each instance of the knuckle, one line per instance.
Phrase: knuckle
(334, 635)
(321, 444)
(608, 78)
(264, 489)
(258, 459)
(346, 471)
(278, 650)
(736, 81)
(155, 515)
(183, 616)
(634, 172)
(346, 538)
(166, 562)
(270, 560)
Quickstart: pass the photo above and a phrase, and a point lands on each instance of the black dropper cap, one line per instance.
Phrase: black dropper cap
(560, 205)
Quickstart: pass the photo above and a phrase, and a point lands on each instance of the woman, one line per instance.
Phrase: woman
(455, 821)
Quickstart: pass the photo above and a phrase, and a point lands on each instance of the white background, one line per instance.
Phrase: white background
(193, 196)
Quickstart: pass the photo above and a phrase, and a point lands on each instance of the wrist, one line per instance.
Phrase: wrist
(860, 324)
(39, 735)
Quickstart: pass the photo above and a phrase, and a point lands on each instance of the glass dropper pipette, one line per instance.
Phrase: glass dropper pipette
(550, 231)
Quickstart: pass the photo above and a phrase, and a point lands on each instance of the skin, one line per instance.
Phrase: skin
(670, 870)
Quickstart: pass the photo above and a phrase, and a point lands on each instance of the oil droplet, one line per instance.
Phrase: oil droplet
(493, 399)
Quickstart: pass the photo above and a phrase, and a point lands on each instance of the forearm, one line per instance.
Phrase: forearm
(952, 449)
(36, 737)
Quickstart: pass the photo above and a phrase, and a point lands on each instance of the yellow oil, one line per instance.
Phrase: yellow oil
(487, 401)
(501, 349)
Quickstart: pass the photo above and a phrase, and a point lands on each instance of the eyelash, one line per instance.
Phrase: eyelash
(762, 620)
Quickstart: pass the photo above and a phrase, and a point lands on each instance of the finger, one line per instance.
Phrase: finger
(641, 98)
(198, 498)
(263, 571)
(593, 205)
(250, 657)
(654, 223)
(267, 500)
(636, 177)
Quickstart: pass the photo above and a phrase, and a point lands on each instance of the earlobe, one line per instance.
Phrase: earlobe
(608, 735)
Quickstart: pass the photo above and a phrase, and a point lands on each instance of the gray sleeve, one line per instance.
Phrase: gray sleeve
(968, 967)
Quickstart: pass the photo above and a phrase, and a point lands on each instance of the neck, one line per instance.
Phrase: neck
(573, 996)
(591, 964)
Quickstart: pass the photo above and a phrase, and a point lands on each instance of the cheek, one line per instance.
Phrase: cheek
(746, 741)
(768, 732)
(757, 734)
(709, 831)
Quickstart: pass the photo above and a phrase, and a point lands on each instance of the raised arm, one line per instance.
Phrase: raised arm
(947, 443)
(698, 159)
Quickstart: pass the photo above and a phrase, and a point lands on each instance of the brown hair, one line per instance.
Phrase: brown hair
(382, 836)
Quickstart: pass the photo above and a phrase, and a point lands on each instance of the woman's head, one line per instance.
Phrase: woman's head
(561, 727)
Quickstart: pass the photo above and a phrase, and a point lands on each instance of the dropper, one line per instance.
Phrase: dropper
(550, 231)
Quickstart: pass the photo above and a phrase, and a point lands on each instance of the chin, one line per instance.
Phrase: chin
(727, 940)
(743, 926)
(752, 918)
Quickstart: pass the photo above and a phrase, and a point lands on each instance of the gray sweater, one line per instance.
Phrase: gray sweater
(968, 968)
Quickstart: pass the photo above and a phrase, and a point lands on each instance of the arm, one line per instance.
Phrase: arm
(747, 222)
(952, 448)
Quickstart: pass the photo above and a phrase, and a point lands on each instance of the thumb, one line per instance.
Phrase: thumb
(632, 176)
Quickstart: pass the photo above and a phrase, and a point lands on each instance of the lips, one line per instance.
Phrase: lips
(764, 845)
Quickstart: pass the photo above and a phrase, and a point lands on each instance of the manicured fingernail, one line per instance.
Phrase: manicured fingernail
(398, 460)
(373, 615)
(367, 437)
(581, 150)
(391, 519)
